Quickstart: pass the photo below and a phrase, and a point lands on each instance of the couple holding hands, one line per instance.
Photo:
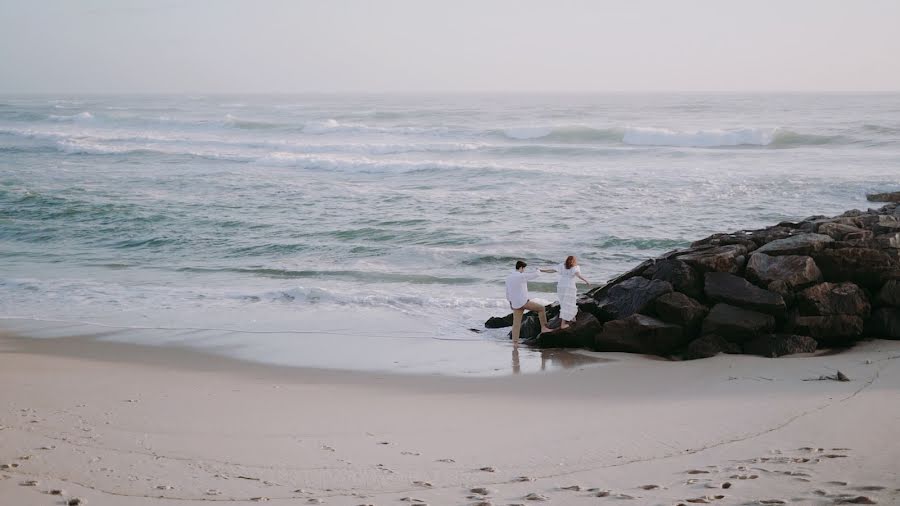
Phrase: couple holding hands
(517, 294)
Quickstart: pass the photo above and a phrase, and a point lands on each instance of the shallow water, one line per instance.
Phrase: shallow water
(378, 217)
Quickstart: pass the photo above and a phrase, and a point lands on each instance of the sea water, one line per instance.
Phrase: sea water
(375, 231)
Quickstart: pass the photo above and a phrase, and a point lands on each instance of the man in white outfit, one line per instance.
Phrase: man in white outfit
(517, 295)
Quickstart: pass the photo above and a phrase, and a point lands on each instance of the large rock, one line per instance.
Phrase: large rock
(579, 334)
(710, 345)
(790, 271)
(841, 232)
(680, 309)
(640, 334)
(883, 197)
(737, 291)
(889, 295)
(730, 258)
(630, 297)
(777, 345)
(682, 276)
(736, 324)
(887, 224)
(801, 244)
(885, 323)
(834, 330)
(891, 240)
(827, 299)
(865, 266)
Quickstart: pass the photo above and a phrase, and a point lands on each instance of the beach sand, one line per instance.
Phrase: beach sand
(120, 424)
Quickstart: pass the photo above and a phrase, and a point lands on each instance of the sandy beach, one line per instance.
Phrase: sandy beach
(122, 424)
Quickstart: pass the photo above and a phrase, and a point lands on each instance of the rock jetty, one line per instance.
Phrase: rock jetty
(789, 288)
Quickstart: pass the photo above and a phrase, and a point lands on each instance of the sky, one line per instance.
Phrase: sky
(294, 46)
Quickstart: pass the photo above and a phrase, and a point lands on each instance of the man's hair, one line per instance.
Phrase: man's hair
(520, 264)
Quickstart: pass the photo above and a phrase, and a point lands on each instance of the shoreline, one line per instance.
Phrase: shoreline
(113, 423)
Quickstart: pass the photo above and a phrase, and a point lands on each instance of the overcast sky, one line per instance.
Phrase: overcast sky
(453, 45)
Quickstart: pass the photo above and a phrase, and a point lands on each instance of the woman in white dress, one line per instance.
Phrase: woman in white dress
(566, 290)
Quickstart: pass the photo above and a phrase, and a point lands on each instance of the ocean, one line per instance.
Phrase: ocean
(374, 231)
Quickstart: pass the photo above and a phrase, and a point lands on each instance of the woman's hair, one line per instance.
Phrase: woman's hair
(571, 262)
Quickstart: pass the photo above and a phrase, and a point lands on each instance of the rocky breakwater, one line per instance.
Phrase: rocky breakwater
(789, 288)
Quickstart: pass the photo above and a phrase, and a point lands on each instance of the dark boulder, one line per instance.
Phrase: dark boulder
(682, 276)
(736, 324)
(680, 309)
(865, 266)
(792, 271)
(499, 322)
(640, 334)
(737, 291)
(801, 244)
(888, 241)
(833, 330)
(740, 238)
(710, 345)
(630, 297)
(601, 291)
(841, 232)
(883, 197)
(767, 235)
(832, 299)
(889, 295)
(579, 334)
(730, 258)
(885, 323)
(887, 224)
(777, 345)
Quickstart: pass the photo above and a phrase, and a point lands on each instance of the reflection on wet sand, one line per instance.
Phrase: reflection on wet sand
(552, 359)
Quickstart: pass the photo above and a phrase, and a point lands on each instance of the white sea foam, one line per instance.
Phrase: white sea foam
(640, 136)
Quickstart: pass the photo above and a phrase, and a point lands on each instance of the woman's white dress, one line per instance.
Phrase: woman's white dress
(567, 292)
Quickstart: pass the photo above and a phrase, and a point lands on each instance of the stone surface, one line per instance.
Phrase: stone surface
(710, 345)
(680, 275)
(887, 224)
(865, 266)
(730, 258)
(737, 291)
(640, 334)
(778, 345)
(832, 299)
(889, 295)
(579, 334)
(680, 309)
(791, 271)
(885, 323)
(841, 232)
(800, 244)
(736, 324)
(834, 330)
(630, 297)
(883, 197)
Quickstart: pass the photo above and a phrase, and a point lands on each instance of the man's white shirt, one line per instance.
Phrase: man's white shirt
(517, 287)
